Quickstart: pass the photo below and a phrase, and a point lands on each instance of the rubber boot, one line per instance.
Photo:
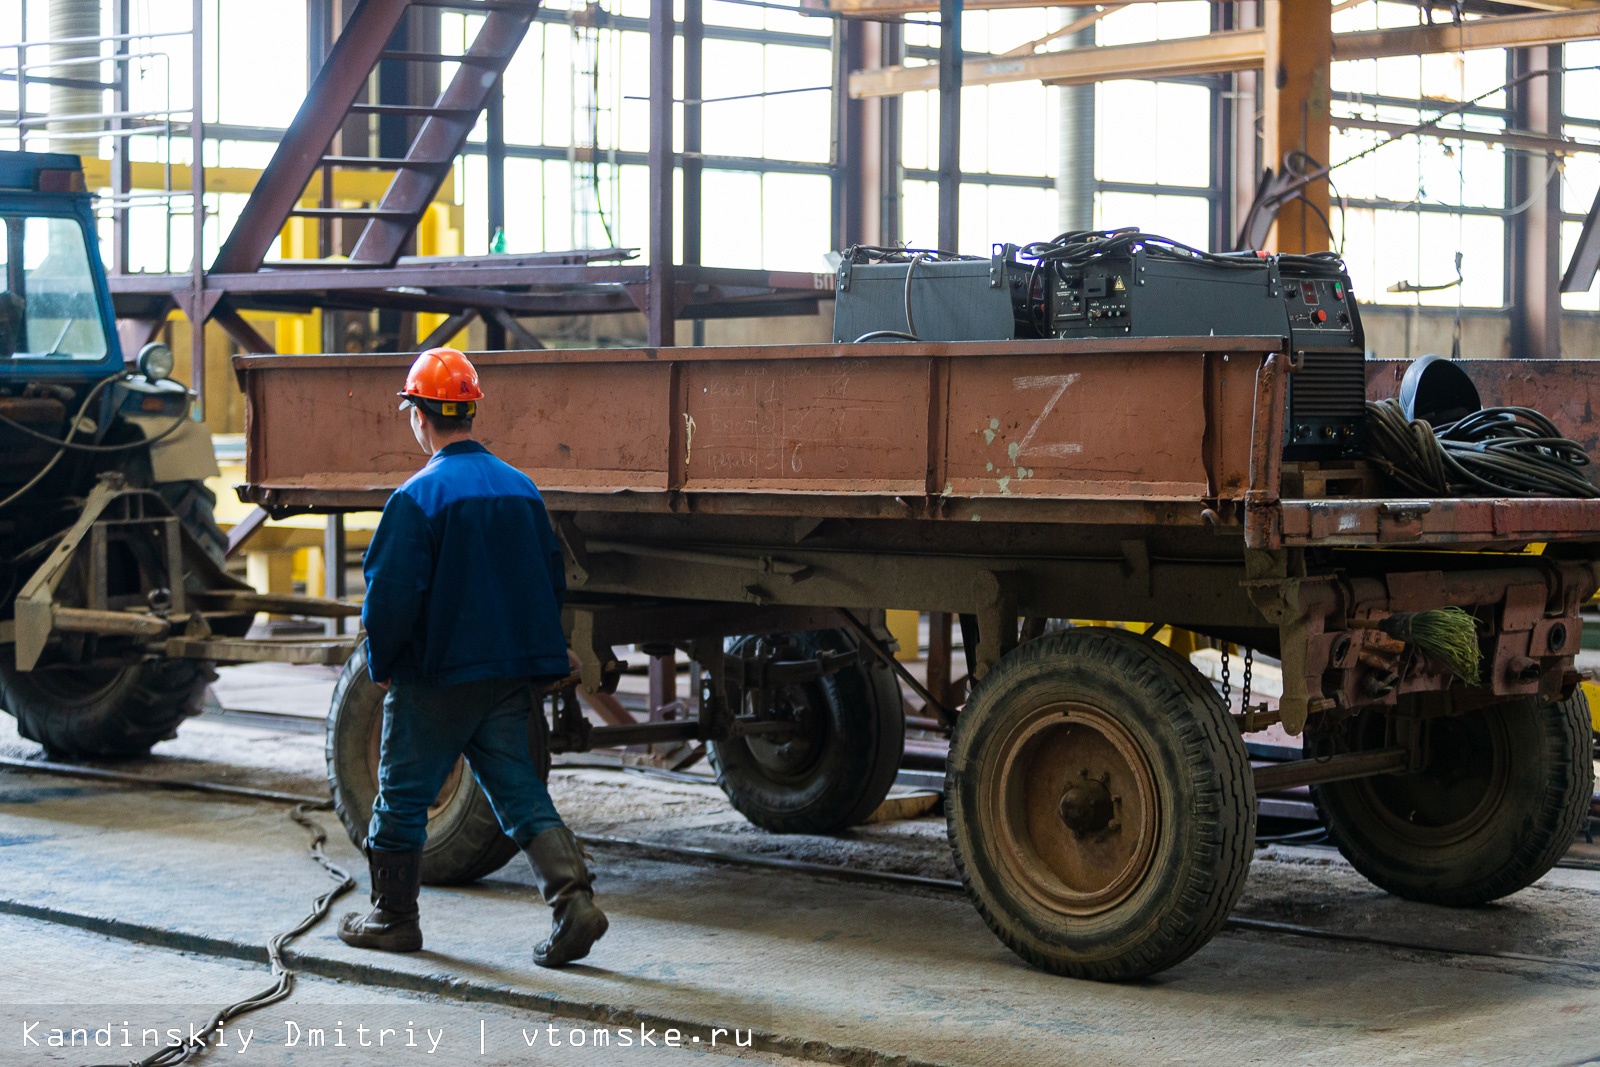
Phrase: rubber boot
(565, 882)
(391, 925)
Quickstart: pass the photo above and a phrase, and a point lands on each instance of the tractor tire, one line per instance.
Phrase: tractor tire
(838, 765)
(104, 713)
(195, 506)
(1505, 793)
(465, 842)
(1100, 804)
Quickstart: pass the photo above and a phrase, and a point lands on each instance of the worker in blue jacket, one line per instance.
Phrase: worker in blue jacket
(463, 619)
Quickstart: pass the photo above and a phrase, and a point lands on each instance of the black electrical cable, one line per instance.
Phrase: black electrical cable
(1501, 451)
(886, 254)
(911, 324)
(885, 335)
(72, 428)
(1081, 246)
(68, 443)
(283, 977)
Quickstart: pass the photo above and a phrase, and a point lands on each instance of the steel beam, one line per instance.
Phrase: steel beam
(889, 9)
(1506, 31)
(1242, 49)
(1294, 125)
(891, 167)
(1534, 255)
(1342, 768)
(694, 36)
(338, 82)
(1214, 53)
(660, 315)
(949, 72)
(444, 133)
(1075, 145)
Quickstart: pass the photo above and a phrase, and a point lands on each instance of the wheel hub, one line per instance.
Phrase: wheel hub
(789, 753)
(1087, 806)
(1077, 807)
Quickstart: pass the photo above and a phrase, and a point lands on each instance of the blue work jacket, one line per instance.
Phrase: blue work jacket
(464, 576)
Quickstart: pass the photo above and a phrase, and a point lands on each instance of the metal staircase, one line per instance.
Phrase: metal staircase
(304, 151)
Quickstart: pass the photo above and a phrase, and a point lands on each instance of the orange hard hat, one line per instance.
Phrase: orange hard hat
(444, 381)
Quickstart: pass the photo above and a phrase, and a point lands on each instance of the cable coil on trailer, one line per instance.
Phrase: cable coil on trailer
(1501, 451)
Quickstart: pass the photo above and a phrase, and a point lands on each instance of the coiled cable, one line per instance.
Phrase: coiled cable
(1501, 451)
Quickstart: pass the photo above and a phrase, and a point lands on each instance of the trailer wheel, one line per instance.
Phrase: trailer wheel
(834, 770)
(1100, 804)
(1505, 792)
(110, 712)
(465, 841)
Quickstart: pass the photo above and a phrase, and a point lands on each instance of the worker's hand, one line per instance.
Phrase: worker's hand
(382, 685)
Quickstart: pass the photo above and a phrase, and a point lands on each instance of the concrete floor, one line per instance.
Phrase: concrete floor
(128, 901)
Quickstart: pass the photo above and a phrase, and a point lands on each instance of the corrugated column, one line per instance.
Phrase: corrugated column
(197, 194)
(660, 314)
(1243, 140)
(892, 50)
(1075, 169)
(1535, 237)
(694, 38)
(1299, 55)
(950, 58)
(71, 19)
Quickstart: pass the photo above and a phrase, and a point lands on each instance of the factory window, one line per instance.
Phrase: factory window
(577, 101)
(1008, 181)
(1580, 172)
(1420, 219)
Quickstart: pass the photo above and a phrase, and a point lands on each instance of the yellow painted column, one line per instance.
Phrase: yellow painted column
(906, 626)
(1299, 45)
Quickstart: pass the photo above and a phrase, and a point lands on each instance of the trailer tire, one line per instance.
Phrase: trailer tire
(465, 842)
(1506, 793)
(103, 713)
(1100, 804)
(835, 778)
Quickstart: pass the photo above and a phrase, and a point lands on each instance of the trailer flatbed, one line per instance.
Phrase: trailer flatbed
(1101, 804)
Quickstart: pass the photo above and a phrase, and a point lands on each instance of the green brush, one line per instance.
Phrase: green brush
(1449, 635)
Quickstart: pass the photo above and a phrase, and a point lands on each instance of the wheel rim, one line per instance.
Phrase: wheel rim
(1076, 805)
(1457, 793)
(447, 792)
(790, 755)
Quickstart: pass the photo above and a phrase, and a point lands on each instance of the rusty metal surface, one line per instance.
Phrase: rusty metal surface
(1157, 427)
(1138, 432)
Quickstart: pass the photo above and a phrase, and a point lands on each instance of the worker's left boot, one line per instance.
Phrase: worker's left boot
(567, 886)
(392, 924)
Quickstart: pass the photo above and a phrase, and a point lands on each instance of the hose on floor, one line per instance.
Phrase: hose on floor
(283, 977)
(1506, 451)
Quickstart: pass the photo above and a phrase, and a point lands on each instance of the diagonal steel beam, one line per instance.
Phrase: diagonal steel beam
(336, 86)
(444, 133)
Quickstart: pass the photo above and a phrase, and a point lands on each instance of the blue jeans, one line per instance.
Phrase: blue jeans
(425, 729)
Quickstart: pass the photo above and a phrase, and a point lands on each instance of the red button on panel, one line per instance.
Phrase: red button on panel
(1320, 315)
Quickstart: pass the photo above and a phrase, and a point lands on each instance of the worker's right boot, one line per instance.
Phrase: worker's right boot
(566, 885)
(391, 925)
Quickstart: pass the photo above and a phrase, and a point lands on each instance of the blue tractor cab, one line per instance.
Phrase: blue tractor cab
(56, 320)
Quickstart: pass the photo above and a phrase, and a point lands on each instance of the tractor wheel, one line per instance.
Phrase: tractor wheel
(103, 712)
(465, 841)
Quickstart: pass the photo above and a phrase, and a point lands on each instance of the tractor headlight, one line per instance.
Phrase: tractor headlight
(156, 361)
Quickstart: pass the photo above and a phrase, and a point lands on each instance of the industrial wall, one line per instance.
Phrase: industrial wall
(1405, 333)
